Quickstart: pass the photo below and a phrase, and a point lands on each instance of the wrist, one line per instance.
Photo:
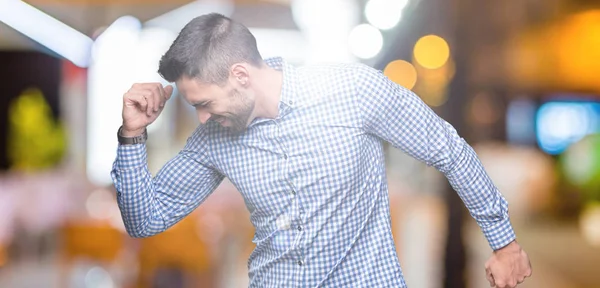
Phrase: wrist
(512, 246)
(130, 137)
(131, 132)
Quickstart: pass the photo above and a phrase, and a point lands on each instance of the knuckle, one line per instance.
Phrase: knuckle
(155, 91)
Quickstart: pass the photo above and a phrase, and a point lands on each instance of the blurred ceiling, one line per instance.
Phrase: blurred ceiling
(87, 16)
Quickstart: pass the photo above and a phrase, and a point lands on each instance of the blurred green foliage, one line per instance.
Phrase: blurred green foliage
(35, 140)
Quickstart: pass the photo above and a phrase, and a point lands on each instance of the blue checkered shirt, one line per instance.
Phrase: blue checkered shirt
(313, 179)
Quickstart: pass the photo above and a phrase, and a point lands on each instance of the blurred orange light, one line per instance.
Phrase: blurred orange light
(579, 49)
(431, 51)
(561, 55)
(402, 73)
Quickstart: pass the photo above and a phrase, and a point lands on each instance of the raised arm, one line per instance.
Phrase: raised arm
(151, 205)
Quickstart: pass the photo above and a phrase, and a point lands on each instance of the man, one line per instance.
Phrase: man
(304, 148)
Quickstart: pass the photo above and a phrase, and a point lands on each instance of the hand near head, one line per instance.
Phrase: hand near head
(141, 106)
(508, 267)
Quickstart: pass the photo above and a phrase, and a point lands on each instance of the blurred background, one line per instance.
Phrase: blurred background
(519, 79)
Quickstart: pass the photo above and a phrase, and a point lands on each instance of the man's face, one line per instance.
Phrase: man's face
(226, 105)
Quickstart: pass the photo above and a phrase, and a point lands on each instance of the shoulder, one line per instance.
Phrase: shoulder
(337, 69)
(328, 76)
(357, 74)
(199, 139)
(364, 73)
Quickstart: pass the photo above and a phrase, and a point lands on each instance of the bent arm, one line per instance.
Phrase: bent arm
(151, 205)
(400, 117)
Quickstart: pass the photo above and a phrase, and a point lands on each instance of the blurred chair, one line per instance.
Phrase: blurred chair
(176, 258)
(94, 241)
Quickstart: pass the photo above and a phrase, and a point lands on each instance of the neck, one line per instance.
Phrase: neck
(268, 94)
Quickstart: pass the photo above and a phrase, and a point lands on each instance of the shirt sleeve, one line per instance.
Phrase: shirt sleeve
(151, 205)
(398, 116)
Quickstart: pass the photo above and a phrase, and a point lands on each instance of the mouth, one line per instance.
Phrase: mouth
(222, 121)
(218, 119)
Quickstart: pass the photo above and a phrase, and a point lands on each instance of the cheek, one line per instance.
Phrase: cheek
(220, 109)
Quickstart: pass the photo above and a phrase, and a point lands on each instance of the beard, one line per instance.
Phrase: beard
(242, 107)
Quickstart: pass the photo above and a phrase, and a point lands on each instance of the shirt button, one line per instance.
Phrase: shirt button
(285, 156)
(299, 227)
(291, 102)
(300, 262)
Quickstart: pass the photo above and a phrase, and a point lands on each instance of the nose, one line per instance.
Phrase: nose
(203, 116)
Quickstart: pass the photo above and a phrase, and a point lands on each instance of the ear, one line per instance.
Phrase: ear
(240, 74)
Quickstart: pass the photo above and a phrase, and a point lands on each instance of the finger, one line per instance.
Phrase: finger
(160, 101)
(159, 94)
(151, 91)
(498, 281)
(149, 100)
(163, 96)
(529, 272)
(157, 97)
(489, 277)
(168, 91)
(154, 93)
(136, 87)
(147, 95)
(164, 92)
(136, 99)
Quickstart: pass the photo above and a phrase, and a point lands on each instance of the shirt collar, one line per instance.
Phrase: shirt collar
(289, 91)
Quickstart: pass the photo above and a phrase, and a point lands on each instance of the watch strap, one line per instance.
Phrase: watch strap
(140, 139)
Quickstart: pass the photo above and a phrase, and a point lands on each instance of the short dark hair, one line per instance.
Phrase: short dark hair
(207, 47)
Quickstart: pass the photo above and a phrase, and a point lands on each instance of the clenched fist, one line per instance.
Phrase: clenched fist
(508, 267)
(141, 106)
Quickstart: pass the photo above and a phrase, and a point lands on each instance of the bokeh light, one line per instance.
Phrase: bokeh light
(559, 124)
(581, 166)
(402, 73)
(589, 223)
(432, 86)
(365, 41)
(431, 51)
(384, 14)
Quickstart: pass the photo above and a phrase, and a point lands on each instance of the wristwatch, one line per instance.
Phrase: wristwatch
(132, 140)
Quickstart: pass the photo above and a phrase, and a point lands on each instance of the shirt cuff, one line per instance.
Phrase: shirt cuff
(500, 234)
(131, 156)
